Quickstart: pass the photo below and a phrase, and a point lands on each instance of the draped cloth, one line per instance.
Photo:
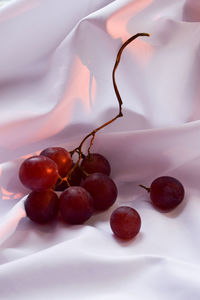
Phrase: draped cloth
(56, 61)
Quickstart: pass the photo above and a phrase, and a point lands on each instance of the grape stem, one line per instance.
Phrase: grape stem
(92, 134)
(144, 187)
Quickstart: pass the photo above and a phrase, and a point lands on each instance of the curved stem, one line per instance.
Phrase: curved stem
(117, 63)
(93, 132)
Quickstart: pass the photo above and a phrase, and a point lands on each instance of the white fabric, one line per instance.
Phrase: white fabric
(56, 60)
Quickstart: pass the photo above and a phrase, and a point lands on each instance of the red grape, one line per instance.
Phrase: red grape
(74, 180)
(102, 189)
(38, 173)
(166, 192)
(76, 205)
(61, 157)
(76, 177)
(95, 163)
(41, 207)
(125, 222)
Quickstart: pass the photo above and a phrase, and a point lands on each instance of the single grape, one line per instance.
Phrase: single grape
(125, 222)
(38, 173)
(166, 192)
(61, 157)
(95, 163)
(76, 205)
(41, 207)
(102, 189)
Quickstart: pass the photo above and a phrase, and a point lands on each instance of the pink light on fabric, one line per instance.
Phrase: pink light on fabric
(10, 221)
(117, 22)
(78, 87)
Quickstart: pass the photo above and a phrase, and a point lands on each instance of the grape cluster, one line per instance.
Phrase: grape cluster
(85, 188)
(86, 185)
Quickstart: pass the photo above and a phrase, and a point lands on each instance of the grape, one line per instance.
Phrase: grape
(166, 192)
(76, 205)
(61, 157)
(102, 189)
(41, 207)
(125, 222)
(74, 180)
(38, 173)
(76, 177)
(95, 163)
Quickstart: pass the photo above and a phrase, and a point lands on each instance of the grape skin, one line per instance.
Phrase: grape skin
(61, 157)
(41, 207)
(125, 222)
(102, 189)
(76, 177)
(95, 163)
(74, 180)
(76, 205)
(166, 192)
(38, 173)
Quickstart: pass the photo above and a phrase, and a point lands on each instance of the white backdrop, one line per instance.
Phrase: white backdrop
(56, 60)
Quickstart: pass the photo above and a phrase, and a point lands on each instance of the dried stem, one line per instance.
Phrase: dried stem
(93, 132)
(144, 187)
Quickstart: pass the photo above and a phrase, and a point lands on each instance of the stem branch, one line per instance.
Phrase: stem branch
(93, 132)
(144, 187)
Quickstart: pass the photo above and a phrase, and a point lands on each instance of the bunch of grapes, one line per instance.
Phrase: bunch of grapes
(86, 185)
(85, 188)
